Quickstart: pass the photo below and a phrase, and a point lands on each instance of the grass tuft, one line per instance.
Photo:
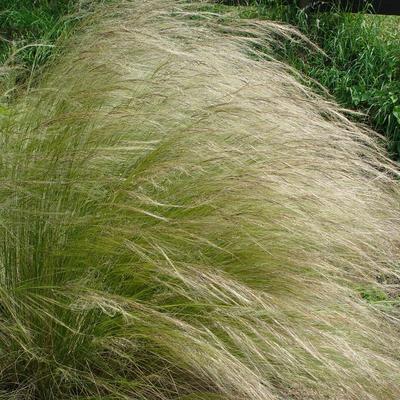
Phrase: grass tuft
(179, 220)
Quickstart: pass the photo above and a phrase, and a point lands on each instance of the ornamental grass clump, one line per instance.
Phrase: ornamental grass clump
(181, 219)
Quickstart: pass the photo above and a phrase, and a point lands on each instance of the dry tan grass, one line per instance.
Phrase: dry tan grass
(183, 220)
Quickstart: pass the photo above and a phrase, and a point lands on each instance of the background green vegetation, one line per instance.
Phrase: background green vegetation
(31, 21)
(28, 30)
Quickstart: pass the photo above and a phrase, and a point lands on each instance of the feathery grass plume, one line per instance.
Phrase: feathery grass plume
(181, 219)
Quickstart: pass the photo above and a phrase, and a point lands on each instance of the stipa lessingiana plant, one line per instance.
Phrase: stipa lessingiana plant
(180, 219)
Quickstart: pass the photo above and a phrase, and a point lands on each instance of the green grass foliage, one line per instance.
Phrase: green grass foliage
(179, 220)
(29, 32)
